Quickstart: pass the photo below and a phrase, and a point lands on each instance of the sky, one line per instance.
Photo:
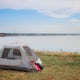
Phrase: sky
(40, 16)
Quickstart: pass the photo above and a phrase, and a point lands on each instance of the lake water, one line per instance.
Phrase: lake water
(50, 43)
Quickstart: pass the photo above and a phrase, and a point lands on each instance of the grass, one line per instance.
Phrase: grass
(57, 66)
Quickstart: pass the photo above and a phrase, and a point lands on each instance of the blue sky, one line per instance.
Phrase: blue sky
(40, 16)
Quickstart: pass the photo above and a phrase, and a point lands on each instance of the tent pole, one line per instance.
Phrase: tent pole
(28, 57)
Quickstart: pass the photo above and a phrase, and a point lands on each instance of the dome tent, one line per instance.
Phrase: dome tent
(19, 57)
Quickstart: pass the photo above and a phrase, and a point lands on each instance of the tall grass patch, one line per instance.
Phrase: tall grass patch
(57, 66)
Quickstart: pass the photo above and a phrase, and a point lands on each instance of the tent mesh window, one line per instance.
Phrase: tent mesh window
(5, 53)
(28, 51)
(16, 54)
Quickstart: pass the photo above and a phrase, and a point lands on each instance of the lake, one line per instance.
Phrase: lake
(50, 43)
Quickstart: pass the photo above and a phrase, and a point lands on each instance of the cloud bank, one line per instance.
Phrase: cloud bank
(74, 20)
(53, 8)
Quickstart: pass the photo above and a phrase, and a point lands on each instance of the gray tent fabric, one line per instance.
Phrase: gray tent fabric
(20, 58)
(27, 49)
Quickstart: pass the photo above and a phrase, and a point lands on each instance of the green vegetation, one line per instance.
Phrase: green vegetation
(57, 66)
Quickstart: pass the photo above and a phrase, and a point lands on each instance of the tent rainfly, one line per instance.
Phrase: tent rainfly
(20, 58)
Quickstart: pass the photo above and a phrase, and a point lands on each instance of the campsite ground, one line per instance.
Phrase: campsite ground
(57, 66)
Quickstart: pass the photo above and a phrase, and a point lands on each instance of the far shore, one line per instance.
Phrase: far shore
(39, 34)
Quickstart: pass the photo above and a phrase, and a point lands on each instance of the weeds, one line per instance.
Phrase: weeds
(57, 66)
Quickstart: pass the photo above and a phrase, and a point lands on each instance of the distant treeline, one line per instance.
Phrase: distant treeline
(37, 34)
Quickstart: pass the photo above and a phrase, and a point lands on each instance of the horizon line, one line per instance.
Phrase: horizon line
(39, 34)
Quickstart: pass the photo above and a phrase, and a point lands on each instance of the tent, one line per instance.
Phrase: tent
(19, 57)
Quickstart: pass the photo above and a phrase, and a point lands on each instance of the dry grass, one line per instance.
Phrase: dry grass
(57, 66)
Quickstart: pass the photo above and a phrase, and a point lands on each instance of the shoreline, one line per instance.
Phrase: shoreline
(57, 53)
(38, 34)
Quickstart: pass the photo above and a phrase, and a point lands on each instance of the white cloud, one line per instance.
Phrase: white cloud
(74, 20)
(54, 8)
